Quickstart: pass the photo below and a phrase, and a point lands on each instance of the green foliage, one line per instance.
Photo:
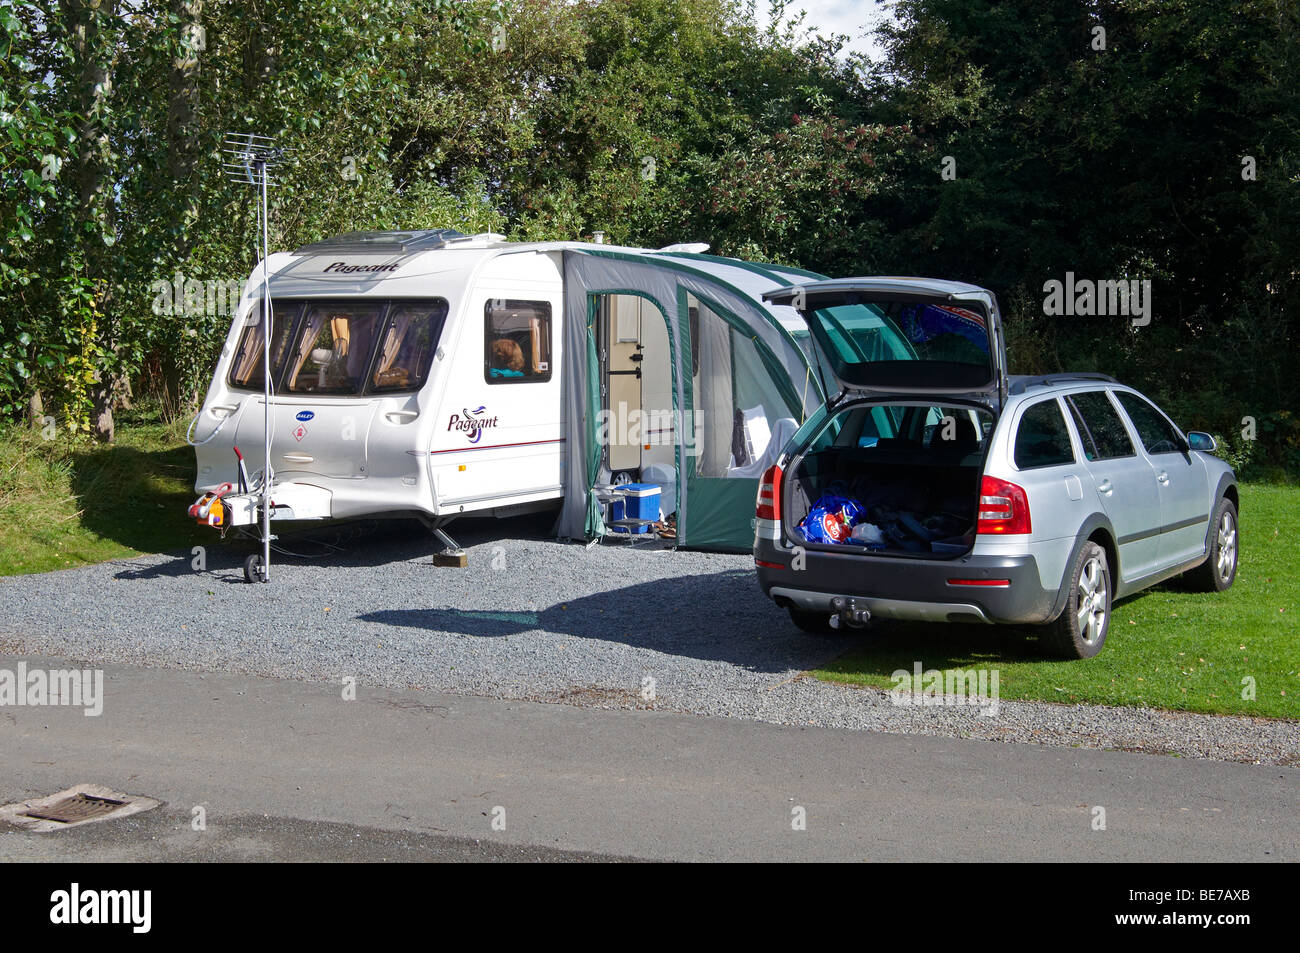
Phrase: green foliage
(1236, 452)
(658, 121)
(1123, 162)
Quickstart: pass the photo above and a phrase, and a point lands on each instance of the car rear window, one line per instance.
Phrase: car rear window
(905, 344)
(1100, 428)
(936, 435)
(1042, 439)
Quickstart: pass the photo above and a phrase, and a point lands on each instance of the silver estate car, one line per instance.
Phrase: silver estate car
(934, 486)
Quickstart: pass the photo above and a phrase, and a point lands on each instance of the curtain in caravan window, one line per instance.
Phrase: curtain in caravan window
(307, 334)
(246, 370)
(535, 342)
(397, 328)
(714, 421)
(249, 357)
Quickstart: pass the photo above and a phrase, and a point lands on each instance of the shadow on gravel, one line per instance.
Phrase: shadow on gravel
(364, 543)
(715, 617)
(891, 646)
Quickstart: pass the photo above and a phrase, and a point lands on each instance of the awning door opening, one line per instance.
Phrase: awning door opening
(636, 388)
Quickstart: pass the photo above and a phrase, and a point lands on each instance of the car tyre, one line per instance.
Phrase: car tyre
(814, 623)
(1080, 631)
(1220, 567)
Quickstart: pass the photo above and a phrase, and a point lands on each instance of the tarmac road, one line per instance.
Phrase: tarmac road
(290, 770)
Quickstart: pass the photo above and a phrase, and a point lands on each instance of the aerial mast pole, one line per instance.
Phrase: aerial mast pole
(249, 160)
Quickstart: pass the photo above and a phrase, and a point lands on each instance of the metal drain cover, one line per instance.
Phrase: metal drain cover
(82, 804)
(75, 809)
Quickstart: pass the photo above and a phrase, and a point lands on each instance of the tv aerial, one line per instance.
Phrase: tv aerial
(249, 159)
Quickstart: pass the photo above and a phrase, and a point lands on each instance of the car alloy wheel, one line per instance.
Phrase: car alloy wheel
(1222, 550)
(1227, 545)
(1092, 603)
(1079, 632)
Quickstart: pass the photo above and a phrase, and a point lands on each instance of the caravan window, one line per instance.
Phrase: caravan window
(332, 348)
(406, 347)
(246, 370)
(517, 341)
(343, 347)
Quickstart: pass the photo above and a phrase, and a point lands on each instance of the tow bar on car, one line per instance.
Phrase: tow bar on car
(849, 612)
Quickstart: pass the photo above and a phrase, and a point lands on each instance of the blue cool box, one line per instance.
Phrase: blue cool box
(637, 501)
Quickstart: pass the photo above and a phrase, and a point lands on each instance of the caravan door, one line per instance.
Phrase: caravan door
(498, 441)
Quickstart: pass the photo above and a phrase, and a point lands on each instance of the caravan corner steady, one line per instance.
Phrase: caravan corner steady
(434, 374)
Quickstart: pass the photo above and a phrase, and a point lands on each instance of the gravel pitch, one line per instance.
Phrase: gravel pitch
(531, 618)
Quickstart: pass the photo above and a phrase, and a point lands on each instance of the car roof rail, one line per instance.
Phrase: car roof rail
(1020, 384)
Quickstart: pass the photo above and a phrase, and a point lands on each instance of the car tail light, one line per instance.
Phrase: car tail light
(769, 494)
(1004, 508)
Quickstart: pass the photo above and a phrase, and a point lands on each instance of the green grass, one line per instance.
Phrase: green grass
(67, 502)
(1168, 647)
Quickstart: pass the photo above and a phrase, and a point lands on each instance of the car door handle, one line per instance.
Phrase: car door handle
(1163, 478)
(298, 458)
(1104, 488)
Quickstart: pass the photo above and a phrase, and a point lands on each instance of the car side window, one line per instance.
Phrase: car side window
(1100, 427)
(1156, 433)
(517, 341)
(1085, 438)
(1042, 439)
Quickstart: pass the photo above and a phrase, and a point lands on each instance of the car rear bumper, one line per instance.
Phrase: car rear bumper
(995, 589)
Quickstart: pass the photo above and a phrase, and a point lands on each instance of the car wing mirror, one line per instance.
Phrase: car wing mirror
(1201, 441)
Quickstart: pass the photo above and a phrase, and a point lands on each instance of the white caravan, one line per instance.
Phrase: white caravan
(434, 374)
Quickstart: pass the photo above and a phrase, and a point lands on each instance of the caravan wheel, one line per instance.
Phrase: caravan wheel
(253, 569)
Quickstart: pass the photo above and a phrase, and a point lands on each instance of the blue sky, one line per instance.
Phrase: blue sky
(851, 17)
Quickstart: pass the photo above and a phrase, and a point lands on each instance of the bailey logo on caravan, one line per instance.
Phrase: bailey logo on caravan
(472, 424)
